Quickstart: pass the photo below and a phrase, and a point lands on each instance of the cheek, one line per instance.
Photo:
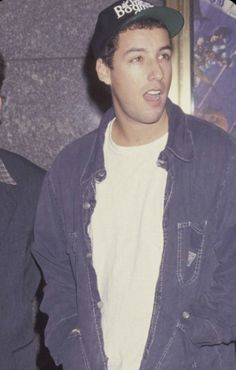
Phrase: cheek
(168, 74)
(125, 82)
(125, 93)
(167, 66)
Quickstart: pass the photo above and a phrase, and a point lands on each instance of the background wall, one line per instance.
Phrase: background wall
(45, 45)
(50, 100)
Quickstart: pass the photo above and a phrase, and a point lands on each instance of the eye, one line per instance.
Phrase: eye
(137, 59)
(165, 56)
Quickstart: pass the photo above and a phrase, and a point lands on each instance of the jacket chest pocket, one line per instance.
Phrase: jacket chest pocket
(191, 240)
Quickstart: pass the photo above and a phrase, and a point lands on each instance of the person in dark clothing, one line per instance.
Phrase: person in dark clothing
(20, 183)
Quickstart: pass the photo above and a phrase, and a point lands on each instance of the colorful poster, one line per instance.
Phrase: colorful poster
(214, 62)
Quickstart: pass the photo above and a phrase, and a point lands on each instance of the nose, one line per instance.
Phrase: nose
(155, 71)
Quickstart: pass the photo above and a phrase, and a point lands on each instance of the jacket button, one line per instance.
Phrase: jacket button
(75, 331)
(186, 315)
(160, 163)
(86, 205)
(100, 305)
(101, 173)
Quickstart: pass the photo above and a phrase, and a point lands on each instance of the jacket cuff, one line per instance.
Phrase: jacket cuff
(56, 338)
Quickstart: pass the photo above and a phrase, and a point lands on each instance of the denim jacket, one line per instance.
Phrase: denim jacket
(193, 325)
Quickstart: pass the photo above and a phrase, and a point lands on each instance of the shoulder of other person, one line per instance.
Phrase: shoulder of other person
(21, 169)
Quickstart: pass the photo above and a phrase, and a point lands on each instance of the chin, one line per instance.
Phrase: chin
(154, 119)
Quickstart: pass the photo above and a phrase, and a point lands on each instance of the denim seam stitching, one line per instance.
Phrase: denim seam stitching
(84, 353)
(95, 318)
(154, 322)
(167, 347)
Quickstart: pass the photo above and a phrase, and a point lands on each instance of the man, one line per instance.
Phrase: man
(135, 231)
(20, 182)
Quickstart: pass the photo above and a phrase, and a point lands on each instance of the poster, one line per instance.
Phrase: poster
(214, 62)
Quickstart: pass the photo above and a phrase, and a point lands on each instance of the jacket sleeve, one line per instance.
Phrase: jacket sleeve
(59, 300)
(212, 319)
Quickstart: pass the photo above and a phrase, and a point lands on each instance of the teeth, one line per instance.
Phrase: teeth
(154, 92)
(153, 96)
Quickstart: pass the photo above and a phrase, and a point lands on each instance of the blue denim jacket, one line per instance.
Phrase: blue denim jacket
(193, 326)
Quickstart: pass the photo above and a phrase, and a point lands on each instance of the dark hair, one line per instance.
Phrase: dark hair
(2, 70)
(113, 43)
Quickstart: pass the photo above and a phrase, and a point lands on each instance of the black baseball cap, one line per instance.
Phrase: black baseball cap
(123, 12)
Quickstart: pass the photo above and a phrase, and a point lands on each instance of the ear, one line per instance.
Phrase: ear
(103, 71)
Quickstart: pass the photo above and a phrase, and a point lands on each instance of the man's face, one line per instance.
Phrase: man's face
(141, 75)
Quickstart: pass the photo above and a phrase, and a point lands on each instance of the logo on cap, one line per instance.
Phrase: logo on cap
(130, 6)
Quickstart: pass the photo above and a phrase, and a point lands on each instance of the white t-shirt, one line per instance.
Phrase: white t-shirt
(127, 239)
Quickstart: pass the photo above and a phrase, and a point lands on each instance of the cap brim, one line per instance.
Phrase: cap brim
(171, 18)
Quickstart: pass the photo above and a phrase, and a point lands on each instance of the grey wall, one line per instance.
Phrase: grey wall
(45, 43)
(48, 103)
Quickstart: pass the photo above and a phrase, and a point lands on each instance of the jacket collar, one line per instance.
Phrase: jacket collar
(95, 165)
(179, 143)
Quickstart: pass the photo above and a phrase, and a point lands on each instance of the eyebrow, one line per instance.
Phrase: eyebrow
(137, 50)
(167, 47)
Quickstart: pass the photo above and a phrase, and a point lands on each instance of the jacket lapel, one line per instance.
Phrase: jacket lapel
(8, 188)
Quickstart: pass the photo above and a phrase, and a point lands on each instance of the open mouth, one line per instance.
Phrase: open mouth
(152, 95)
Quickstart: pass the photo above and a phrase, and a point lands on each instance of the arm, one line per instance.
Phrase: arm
(59, 300)
(212, 319)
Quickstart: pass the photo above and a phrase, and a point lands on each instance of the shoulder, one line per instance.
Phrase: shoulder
(79, 145)
(81, 149)
(75, 154)
(20, 168)
(205, 135)
(210, 138)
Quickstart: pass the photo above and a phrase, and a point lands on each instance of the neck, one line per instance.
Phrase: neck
(139, 134)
